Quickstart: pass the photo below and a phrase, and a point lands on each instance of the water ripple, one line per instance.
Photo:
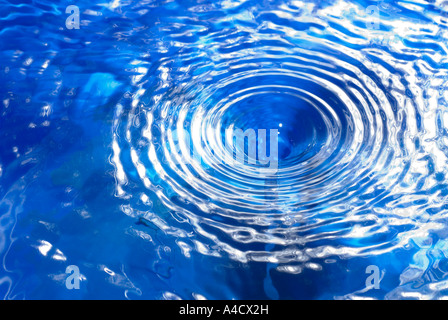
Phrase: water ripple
(361, 158)
(347, 116)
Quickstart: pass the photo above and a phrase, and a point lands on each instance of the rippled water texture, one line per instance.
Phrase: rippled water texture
(113, 135)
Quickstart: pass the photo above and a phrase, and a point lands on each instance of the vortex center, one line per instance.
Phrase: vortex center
(301, 128)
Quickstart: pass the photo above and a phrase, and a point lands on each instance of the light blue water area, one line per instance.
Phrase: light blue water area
(114, 149)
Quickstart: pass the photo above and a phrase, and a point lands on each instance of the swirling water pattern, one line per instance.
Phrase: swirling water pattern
(112, 137)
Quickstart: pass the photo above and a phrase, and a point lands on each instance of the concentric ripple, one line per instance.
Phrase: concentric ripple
(359, 113)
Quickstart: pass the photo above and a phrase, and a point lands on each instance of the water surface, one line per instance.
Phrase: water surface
(110, 136)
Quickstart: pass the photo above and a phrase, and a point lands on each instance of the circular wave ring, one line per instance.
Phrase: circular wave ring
(338, 131)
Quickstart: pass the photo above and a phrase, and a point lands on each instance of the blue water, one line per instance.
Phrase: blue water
(112, 137)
